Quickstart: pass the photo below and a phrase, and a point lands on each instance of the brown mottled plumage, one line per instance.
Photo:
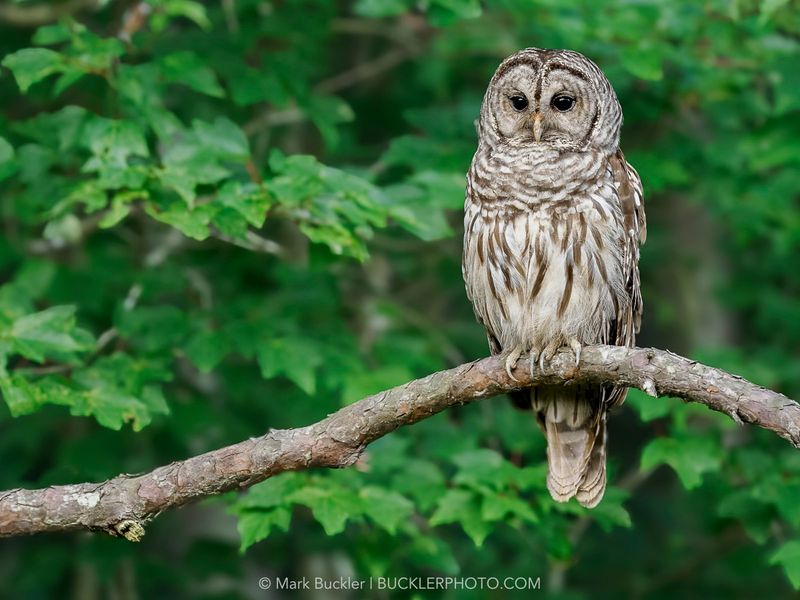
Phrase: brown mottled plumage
(553, 222)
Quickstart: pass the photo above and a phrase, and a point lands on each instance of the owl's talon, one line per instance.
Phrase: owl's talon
(576, 347)
(548, 353)
(532, 362)
(511, 362)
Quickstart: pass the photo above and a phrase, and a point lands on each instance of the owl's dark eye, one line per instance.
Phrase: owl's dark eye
(562, 102)
(519, 102)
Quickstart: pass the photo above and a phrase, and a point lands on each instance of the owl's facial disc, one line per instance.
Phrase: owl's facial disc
(550, 105)
(556, 99)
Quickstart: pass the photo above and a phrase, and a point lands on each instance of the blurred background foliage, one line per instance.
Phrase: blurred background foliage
(227, 216)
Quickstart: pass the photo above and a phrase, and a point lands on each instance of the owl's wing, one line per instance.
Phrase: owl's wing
(629, 188)
(473, 258)
(624, 328)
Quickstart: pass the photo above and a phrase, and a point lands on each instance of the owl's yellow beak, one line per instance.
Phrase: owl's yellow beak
(537, 126)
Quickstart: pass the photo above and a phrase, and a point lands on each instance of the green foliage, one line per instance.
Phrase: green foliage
(788, 556)
(690, 458)
(220, 218)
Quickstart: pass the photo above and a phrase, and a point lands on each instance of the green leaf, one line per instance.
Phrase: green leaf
(207, 348)
(6, 151)
(52, 34)
(198, 156)
(119, 389)
(428, 225)
(192, 222)
(113, 141)
(293, 357)
(31, 65)
(273, 492)
(8, 165)
(224, 137)
(461, 506)
(30, 283)
(379, 9)
(447, 12)
(781, 492)
(331, 506)
(62, 130)
(121, 207)
(333, 207)
(386, 508)
(326, 112)
(231, 223)
(112, 408)
(769, 8)
(19, 395)
(422, 480)
(256, 525)
(94, 391)
(485, 470)
(788, 556)
(47, 333)
(189, 69)
(754, 516)
(194, 11)
(690, 457)
(787, 98)
(496, 507)
(91, 53)
(248, 199)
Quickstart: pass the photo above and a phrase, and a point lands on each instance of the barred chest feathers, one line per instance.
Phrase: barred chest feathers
(544, 252)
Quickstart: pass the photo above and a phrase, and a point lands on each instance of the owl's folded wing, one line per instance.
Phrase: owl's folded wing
(629, 188)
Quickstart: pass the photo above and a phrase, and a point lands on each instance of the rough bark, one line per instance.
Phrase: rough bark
(123, 505)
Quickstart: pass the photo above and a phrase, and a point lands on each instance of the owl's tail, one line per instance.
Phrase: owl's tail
(574, 422)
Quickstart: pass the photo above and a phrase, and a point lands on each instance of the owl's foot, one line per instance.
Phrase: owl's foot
(511, 361)
(533, 356)
(576, 347)
(548, 353)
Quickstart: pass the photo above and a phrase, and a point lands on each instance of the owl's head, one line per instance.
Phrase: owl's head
(553, 98)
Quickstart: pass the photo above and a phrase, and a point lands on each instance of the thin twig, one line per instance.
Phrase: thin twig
(252, 242)
(231, 18)
(367, 70)
(41, 14)
(349, 78)
(134, 20)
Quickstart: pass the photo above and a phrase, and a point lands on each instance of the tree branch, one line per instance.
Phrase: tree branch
(41, 14)
(121, 506)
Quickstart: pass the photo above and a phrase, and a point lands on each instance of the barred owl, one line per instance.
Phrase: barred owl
(553, 223)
